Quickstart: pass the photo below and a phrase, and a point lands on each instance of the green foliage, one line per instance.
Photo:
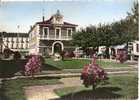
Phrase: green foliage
(116, 33)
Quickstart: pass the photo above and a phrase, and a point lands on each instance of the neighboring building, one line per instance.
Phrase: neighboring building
(15, 41)
(134, 48)
(51, 36)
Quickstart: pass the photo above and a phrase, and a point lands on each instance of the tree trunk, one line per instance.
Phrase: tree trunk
(107, 53)
(94, 87)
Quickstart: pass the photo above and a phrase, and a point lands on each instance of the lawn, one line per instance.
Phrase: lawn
(8, 68)
(13, 89)
(79, 63)
(125, 86)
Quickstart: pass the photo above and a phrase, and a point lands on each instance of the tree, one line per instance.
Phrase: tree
(86, 38)
(116, 33)
(133, 19)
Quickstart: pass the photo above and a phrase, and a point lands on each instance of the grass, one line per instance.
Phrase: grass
(79, 63)
(119, 87)
(13, 89)
(10, 67)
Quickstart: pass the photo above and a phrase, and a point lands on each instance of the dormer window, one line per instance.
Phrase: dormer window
(45, 31)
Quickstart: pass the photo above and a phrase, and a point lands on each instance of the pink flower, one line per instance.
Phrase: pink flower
(92, 73)
(33, 65)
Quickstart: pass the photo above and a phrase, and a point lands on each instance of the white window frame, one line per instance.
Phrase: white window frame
(67, 31)
(47, 31)
(59, 31)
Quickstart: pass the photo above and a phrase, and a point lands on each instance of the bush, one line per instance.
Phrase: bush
(69, 54)
(33, 65)
(92, 74)
(7, 52)
(16, 55)
(122, 56)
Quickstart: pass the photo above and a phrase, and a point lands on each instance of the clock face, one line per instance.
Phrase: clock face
(58, 19)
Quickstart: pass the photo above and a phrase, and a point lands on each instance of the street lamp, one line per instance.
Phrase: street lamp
(17, 46)
(1, 41)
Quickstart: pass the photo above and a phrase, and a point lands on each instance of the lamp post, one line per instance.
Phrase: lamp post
(18, 37)
(1, 42)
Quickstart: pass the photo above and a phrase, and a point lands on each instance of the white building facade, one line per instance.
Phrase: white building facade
(15, 41)
(51, 36)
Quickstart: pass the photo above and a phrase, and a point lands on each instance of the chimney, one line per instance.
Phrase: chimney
(30, 26)
(43, 18)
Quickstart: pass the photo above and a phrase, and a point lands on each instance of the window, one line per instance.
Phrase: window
(17, 40)
(12, 45)
(12, 40)
(27, 40)
(21, 45)
(46, 31)
(17, 46)
(7, 40)
(22, 40)
(69, 32)
(57, 33)
(26, 45)
(7, 45)
(137, 47)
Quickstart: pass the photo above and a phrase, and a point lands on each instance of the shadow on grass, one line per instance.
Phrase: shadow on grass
(99, 93)
(49, 67)
(2, 95)
(9, 67)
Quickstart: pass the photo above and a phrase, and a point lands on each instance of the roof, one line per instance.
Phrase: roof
(45, 22)
(49, 22)
(5, 34)
(120, 46)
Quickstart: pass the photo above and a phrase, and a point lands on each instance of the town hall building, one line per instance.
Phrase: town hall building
(51, 36)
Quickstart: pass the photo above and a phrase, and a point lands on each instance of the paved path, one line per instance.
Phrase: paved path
(46, 92)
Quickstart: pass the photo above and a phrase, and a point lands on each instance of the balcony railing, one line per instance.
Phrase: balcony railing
(53, 37)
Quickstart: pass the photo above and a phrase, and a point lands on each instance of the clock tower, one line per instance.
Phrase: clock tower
(57, 18)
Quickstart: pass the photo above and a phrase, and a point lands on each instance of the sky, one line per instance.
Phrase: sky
(14, 13)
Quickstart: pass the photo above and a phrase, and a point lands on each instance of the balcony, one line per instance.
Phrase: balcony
(53, 37)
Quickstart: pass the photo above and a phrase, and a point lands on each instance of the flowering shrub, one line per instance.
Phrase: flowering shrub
(69, 54)
(33, 65)
(121, 56)
(92, 74)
